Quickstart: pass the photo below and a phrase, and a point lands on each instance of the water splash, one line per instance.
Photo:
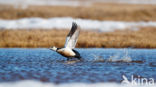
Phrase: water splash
(98, 58)
(114, 58)
(126, 57)
(120, 57)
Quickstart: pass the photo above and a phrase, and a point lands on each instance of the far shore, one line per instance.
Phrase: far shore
(97, 11)
(42, 38)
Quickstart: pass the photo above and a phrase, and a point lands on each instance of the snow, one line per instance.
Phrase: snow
(72, 2)
(26, 3)
(32, 83)
(65, 23)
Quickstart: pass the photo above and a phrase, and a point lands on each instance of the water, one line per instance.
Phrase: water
(99, 65)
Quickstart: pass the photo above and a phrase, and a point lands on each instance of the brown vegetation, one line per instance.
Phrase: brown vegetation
(144, 38)
(126, 12)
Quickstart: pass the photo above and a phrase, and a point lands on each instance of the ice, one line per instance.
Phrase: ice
(32, 83)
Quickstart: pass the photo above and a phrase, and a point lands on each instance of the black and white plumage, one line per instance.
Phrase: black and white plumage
(71, 40)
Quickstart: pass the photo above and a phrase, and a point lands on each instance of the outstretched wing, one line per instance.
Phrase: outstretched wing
(72, 36)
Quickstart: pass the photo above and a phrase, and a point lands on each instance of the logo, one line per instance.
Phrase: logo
(137, 80)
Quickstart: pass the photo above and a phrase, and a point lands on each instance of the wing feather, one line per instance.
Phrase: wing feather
(72, 36)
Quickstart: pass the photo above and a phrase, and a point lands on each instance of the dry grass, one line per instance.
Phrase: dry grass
(144, 38)
(98, 11)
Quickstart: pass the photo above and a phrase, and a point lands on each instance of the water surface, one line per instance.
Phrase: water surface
(99, 65)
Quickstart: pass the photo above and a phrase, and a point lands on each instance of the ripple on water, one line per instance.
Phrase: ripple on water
(152, 64)
(99, 65)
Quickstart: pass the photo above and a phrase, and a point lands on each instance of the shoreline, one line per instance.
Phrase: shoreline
(108, 11)
(143, 38)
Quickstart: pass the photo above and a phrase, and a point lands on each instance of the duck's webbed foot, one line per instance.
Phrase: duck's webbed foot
(69, 58)
(74, 58)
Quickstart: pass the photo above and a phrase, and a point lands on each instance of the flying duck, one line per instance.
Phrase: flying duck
(71, 40)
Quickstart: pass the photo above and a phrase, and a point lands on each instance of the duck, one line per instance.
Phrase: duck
(68, 50)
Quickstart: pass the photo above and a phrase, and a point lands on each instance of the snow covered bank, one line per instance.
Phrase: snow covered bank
(72, 2)
(65, 23)
(31, 83)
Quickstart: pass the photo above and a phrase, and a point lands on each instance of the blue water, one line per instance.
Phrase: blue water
(45, 65)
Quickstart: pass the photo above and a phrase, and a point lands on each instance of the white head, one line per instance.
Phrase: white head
(53, 48)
